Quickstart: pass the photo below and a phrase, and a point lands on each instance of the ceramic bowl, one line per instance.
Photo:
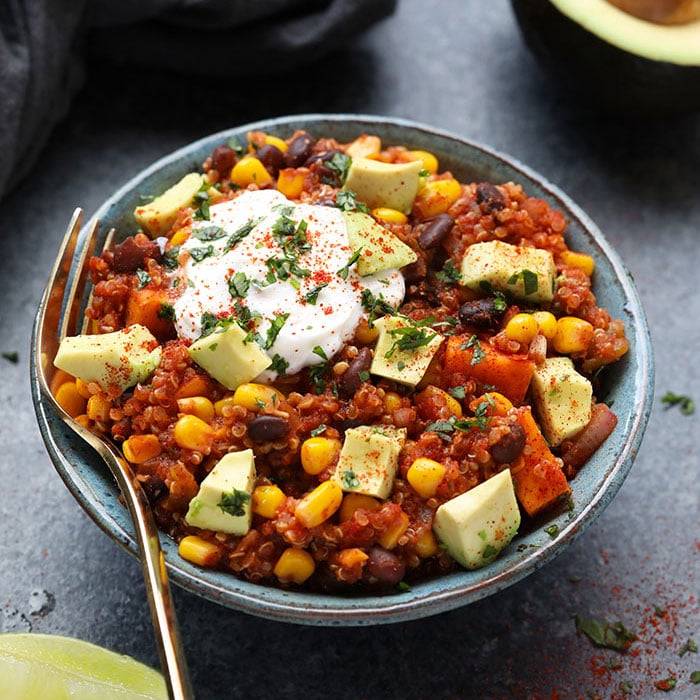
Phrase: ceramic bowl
(628, 384)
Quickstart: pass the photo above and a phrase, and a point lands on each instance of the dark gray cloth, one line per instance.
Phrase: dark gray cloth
(43, 44)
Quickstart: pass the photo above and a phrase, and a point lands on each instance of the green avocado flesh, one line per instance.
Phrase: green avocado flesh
(613, 59)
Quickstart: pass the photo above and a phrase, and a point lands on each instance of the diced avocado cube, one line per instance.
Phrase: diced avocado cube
(157, 217)
(230, 356)
(223, 502)
(369, 459)
(115, 360)
(562, 398)
(403, 351)
(478, 524)
(526, 273)
(379, 248)
(379, 184)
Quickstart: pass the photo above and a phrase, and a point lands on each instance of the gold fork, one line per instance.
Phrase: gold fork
(59, 316)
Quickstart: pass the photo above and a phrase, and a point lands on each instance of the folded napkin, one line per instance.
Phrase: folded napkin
(43, 44)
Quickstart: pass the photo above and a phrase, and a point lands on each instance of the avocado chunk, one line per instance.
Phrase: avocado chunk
(478, 524)
(369, 459)
(379, 248)
(562, 399)
(404, 351)
(230, 356)
(613, 60)
(379, 184)
(526, 273)
(157, 217)
(115, 360)
(223, 502)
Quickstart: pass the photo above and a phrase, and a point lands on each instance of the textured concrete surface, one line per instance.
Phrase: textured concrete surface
(460, 66)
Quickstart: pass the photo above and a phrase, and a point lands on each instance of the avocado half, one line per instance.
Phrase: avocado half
(613, 59)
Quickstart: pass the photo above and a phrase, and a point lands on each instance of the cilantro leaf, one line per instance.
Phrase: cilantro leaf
(234, 502)
(612, 635)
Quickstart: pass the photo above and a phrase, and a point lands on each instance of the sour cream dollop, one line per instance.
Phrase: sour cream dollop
(237, 261)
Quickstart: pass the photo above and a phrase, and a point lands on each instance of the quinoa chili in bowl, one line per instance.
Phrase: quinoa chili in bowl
(363, 370)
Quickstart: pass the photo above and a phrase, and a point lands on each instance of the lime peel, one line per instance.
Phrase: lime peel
(53, 667)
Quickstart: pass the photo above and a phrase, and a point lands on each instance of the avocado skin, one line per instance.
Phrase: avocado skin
(603, 76)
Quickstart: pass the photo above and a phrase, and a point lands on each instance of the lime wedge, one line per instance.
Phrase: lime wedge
(50, 667)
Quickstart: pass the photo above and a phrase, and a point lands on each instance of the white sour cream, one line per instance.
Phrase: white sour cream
(328, 323)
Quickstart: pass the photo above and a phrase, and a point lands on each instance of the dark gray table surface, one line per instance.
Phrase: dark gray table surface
(461, 66)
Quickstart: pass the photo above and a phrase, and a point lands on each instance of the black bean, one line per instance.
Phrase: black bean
(351, 379)
(271, 157)
(324, 172)
(154, 487)
(223, 159)
(489, 198)
(432, 231)
(129, 255)
(299, 150)
(267, 428)
(509, 446)
(482, 313)
(385, 566)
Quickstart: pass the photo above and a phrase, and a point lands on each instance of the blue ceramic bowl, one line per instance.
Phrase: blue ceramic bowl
(629, 384)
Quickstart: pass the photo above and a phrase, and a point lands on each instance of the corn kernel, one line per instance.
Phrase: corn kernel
(199, 406)
(178, 238)
(392, 401)
(139, 448)
(290, 182)
(70, 400)
(196, 385)
(276, 141)
(425, 476)
(522, 328)
(98, 408)
(249, 170)
(199, 551)
(389, 216)
(573, 335)
(83, 388)
(267, 499)
(547, 323)
(294, 566)
(390, 537)
(318, 505)
(192, 433)
(221, 403)
(453, 406)
(366, 334)
(354, 501)
(430, 162)
(83, 420)
(60, 377)
(426, 544)
(436, 197)
(318, 453)
(497, 404)
(580, 261)
(347, 558)
(256, 397)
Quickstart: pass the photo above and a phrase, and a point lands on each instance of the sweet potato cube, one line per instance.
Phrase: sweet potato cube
(508, 374)
(538, 476)
(149, 307)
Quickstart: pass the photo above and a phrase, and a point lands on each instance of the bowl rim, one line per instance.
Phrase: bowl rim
(427, 598)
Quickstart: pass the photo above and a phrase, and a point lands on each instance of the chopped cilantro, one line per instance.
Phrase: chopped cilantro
(376, 306)
(489, 551)
(478, 353)
(318, 350)
(311, 296)
(239, 234)
(319, 430)
(167, 312)
(403, 587)
(612, 635)
(170, 257)
(274, 330)
(552, 530)
(343, 272)
(449, 274)
(208, 322)
(695, 677)
(202, 198)
(350, 481)
(143, 278)
(279, 365)
(208, 233)
(346, 200)
(457, 392)
(339, 165)
(409, 338)
(199, 254)
(238, 285)
(689, 647)
(530, 283)
(238, 147)
(234, 502)
(686, 404)
(11, 357)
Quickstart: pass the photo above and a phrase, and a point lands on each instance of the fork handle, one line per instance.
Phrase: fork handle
(172, 655)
